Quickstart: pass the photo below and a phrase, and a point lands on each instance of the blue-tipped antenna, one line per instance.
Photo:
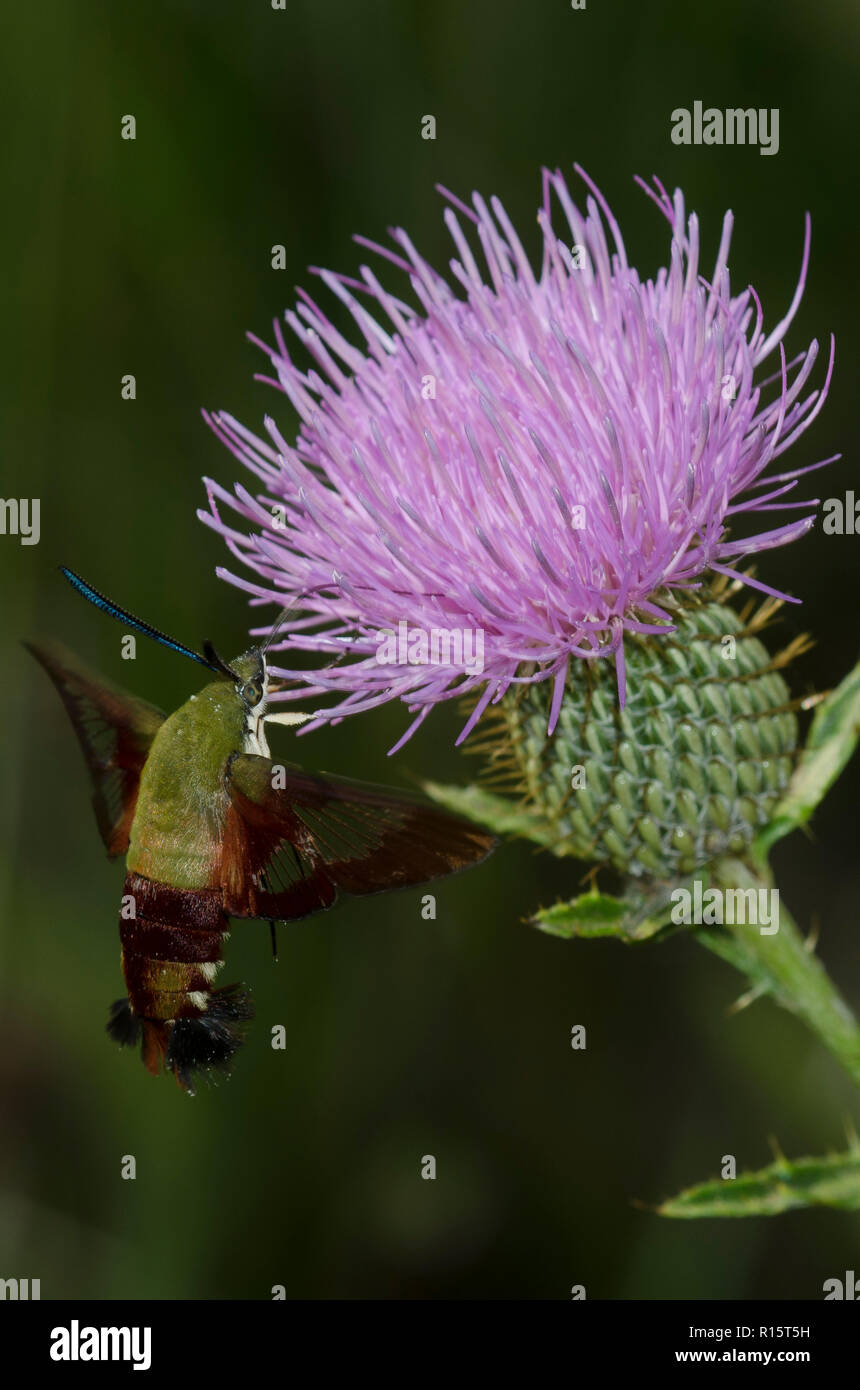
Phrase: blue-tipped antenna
(129, 620)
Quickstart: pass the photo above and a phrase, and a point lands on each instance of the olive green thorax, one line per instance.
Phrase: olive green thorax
(182, 801)
(689, 769)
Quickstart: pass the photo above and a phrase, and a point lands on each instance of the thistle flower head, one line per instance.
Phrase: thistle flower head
(538, 456)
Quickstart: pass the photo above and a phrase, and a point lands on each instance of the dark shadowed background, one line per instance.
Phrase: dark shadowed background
(404, 1037)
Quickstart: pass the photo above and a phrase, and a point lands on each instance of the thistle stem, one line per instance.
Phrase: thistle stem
(783, 965)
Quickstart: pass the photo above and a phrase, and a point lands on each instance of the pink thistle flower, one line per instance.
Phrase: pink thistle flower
(536, 461)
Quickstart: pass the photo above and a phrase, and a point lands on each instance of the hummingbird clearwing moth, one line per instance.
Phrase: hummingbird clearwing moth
(212, 828)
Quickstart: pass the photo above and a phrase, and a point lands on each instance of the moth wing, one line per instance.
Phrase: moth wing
(115, 730)
(323, 834)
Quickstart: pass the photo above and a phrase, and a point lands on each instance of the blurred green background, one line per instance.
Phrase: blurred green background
(405, 1038)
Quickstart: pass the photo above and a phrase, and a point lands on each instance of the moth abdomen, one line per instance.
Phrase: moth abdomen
(171, 947)
(171, 954)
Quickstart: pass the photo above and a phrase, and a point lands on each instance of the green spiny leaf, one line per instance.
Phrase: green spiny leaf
(833, 1181)
(592, 914)
(831, 742)
(635, 917)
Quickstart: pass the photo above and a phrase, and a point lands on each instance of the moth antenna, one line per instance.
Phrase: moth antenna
(123, 616)
(217, 663)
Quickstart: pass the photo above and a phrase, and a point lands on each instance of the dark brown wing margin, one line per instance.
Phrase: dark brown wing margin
(115, 731)
(297, 838)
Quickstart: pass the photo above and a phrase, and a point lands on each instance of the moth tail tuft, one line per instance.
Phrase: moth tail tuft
(123, 1026)
(207, 1045)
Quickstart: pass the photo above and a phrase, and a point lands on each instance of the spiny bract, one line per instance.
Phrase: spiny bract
(690, 769)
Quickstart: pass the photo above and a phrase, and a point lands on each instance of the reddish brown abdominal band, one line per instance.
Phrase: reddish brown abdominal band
(174, 935)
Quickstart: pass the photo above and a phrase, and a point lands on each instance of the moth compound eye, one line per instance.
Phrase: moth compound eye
(252, 693)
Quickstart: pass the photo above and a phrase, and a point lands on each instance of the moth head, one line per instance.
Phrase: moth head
(247, 673)
(250, 676)
(251, 680)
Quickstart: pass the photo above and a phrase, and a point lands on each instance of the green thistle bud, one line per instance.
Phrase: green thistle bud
(690, 769)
